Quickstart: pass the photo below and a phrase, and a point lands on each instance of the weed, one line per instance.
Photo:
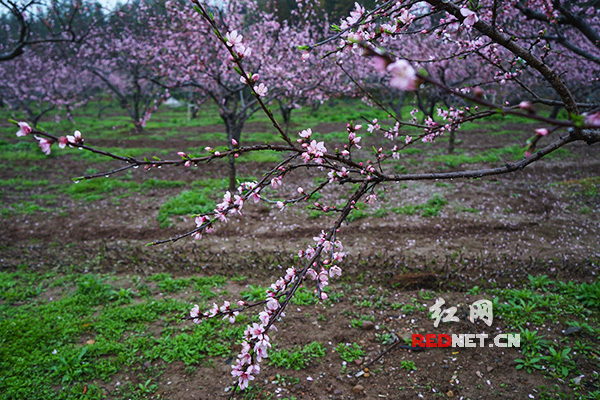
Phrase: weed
(529, 363)
(431, 208)
(539, 282)
(384, 338)
(298, 358)
(408, 365)
(197, 201)
(560, 361)
(304, 297)
(254, 293)
(72, 367)
(349, 352)
(531, 342)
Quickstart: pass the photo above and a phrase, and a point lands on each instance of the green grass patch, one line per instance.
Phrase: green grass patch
(20, 183)
(297, 358)
(513, 152)
(431, 208)
(89, 329)
(25, 207)
(96, 189)
(162, 184)
(587, 187)
(201, 199)
(349, 352)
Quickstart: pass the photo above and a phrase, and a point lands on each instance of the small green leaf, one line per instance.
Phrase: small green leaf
(578, 120)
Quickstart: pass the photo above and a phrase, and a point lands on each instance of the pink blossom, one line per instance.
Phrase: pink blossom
(244, 376)
(374, 126)
(231, 316)
(264, 317)
(290, 274)
(44, 144)
(62, 142)
(276, 182)
(593, 119)
(234, 142)
(404, 76)
(261, 90)
(379, 63)
(76, 138)
(406, 17)
(470, 17)
(195, 314)
(260, 349)
(335, 271)
(272, 304)
(371, 199)
(317, 149)
(213, 311)
(24, 129)
(526, 105)
(541, 131)
(256, 330)
(225, 306)
(305, 134)
(233, 39)
(255, 197)
(243, 51)
(311, 273)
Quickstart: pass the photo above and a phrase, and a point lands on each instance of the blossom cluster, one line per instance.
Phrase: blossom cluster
(314, 150)
(45, 143)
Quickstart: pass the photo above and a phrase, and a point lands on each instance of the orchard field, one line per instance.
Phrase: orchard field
(89, 312)
(299, 199)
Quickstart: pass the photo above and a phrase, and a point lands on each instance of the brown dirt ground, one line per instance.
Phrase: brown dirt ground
(544, 232)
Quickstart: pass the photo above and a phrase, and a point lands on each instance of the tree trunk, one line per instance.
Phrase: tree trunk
(232, 174)
(555, 111)
(451, 142)
(286, 113)
(234, 131)
(397, 105)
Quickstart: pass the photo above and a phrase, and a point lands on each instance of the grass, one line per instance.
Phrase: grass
(20, 183)
(431, 208)
(298, 357)
(24, 207)
(96, 189)
(201, 199)
(74, 330)
(349, 352)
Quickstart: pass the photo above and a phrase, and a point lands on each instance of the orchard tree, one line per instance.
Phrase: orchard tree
(37, 22)
(192, 58)
(126, 59)
(484, 30)
(42, 81)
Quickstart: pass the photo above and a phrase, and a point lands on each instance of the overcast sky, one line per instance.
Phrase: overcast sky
(110, 3)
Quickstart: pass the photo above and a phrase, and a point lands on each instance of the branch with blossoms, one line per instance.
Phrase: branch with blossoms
(322, 259)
